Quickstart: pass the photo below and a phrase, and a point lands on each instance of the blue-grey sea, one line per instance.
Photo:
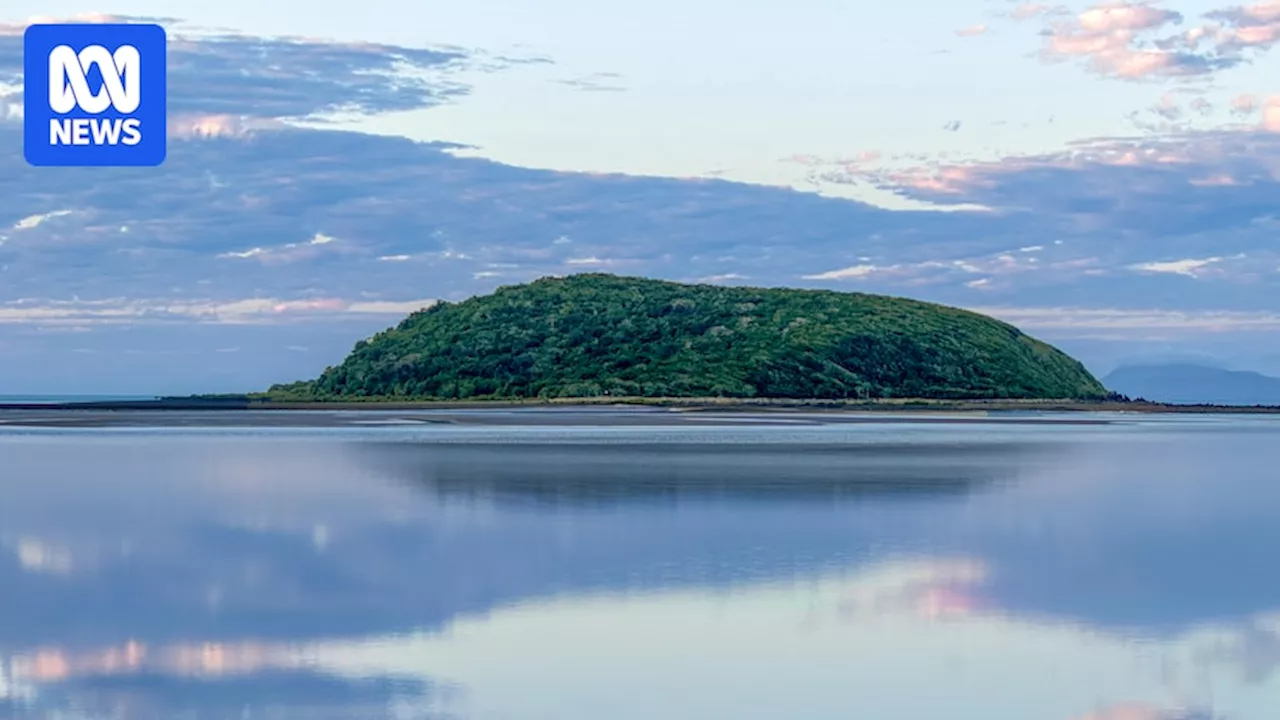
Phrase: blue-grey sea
(706, 566)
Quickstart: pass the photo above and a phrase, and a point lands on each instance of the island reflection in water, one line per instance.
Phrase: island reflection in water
(1106, 572)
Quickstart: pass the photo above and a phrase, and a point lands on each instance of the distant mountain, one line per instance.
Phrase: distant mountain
(1186, 383)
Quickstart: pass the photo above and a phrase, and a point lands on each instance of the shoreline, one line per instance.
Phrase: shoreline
(757, 405)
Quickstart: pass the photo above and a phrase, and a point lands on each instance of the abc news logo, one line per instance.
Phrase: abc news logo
(69, 90)
(95, 95)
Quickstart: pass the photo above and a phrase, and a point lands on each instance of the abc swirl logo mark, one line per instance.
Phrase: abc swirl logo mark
(95, 95)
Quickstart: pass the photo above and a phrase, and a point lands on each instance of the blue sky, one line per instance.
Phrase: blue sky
(1102, 175)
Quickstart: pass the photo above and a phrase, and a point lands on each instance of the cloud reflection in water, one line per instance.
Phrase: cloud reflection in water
(1029, 572)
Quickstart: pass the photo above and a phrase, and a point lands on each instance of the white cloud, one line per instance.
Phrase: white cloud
(255, 252)
(37, 556)
(721, 278)
(1075, 318)
(395, 258)
(33, 221)
(1188, 267)
(10, 106)
(389, 308)
(855, 271)
(284, 253)
(243, 311)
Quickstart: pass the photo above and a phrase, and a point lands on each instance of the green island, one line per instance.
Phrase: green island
(591, 337)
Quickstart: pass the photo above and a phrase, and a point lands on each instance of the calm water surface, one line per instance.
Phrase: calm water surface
(714, 570)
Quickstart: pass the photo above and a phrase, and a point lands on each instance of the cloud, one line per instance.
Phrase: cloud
(1109, 38)
(288, 253)
(1189, 268)
(17, 29)
(1087, 319)
(33, 221)
(1244, 104)
(256, 310)
(589, 262)
(1168, 108)
(854, 271)
(1139, 711)
(214, 89)
(972, 31)
(1146, 172)
(595, 82)
(943, 271)
(11, 109)
(204, 126)
(1026, 11)
(1125, 16)
(408, 215)
(1133, 40)
(38, 556)
(717, 279)
(1241, 27)
(1271, 114)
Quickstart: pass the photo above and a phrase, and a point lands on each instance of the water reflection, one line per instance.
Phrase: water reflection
(1013, 572)
(604, 474)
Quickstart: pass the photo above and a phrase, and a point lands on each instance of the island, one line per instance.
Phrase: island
(596, 335)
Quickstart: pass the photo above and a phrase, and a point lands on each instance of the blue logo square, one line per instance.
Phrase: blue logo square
(94, 95)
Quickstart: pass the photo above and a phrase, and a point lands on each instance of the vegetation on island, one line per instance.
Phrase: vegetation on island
(597, 335)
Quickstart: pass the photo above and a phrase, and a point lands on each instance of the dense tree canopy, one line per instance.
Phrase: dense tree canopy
(591, 335)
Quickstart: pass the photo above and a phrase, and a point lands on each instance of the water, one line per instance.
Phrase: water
(696, 570)
(58, 399)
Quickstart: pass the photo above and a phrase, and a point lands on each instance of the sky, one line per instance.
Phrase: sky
(1104, 176)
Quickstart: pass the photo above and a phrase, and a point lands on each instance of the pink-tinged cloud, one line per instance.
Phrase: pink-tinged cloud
(1209, 158)
(1124, 16)
(1027, 11)
(1244, 105)
(972, 31)
(1218, 180)
(1129, 711)
(202, 126)
(84, 18)
(1259, 14)
(1254, 27)
(1271, 114)
(1255, 35)
(1130, 40)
